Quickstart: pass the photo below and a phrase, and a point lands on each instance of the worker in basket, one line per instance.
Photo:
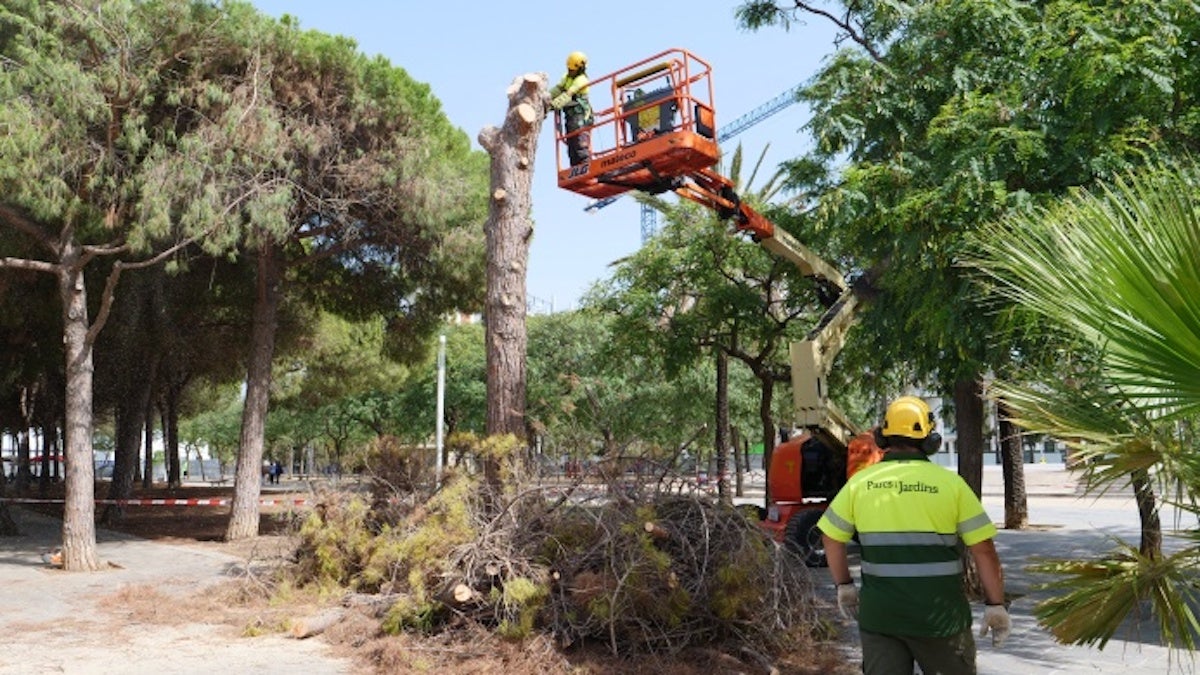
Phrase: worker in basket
(909, 514)
(570, 97)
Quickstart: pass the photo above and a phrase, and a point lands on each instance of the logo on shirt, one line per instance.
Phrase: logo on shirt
(901, 487)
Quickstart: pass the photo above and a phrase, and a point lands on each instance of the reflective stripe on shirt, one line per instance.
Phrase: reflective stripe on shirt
(905, 538)
(930, 569)
(971, 524)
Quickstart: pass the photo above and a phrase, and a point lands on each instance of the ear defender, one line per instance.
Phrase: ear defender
(931, 443)
(880, 439)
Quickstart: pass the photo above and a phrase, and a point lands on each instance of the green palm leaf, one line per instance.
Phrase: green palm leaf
(1117, 265)
(1115, 270)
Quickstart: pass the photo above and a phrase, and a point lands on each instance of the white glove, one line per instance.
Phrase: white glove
(996, 619)
(848, 600)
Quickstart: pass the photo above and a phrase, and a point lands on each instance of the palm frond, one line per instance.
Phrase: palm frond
(1096, 597)
(1116, 265)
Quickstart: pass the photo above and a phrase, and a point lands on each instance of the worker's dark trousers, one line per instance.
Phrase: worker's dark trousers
(578, 146)
(895, 654)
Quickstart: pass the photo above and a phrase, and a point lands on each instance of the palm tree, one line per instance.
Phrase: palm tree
(1113, 272)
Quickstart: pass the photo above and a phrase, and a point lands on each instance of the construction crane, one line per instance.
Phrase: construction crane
(649, 218)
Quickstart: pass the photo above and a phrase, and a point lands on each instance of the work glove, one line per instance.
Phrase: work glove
(848, 600)
(559, 102)
(997, 620)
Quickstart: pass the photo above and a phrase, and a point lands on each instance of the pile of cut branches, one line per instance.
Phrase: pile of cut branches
(656, 575)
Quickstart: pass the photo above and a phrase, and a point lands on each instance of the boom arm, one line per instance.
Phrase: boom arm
(811, 358)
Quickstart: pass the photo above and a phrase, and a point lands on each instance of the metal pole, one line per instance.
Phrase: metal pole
(441, 404)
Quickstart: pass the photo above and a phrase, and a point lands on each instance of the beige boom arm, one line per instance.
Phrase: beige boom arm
(812, 358)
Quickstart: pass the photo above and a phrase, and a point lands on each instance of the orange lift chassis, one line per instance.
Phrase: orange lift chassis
(654, 131)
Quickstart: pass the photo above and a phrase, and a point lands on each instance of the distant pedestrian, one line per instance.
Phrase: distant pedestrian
(909, 514)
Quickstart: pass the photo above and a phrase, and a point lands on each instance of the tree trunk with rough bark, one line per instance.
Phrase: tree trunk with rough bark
(1147, 503)
(968, 424)
(770, 434)
(8, 526)
(509, 230)
(170, 425)
(79, 510)
(247, 479)
(721, 447)
(740, 466)
(1012, 461)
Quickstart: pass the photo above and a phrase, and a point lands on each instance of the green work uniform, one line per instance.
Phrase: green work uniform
(909, 514)
(576, 116)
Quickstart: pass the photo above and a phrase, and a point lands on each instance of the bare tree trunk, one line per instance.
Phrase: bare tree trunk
(968, 423)
(129, 425)
(739, 463)
(79, 527)
(8, 526)
(148, 440)
(1147, 503)
(769, 432)
(1016, 502)
(509, 230)
(247, 479)
(28, 401)
(721, 447)
(170, 425)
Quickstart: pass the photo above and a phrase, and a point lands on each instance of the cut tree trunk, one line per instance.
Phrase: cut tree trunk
(509, 230)
(315, 625)
(247, 480)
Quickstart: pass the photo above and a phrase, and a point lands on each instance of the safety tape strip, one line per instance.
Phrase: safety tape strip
(160, 502)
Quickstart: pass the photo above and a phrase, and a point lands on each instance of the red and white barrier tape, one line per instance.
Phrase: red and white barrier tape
(220, 501)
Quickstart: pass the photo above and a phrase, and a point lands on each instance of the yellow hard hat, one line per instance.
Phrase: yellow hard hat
(908, 416)
(576, 60)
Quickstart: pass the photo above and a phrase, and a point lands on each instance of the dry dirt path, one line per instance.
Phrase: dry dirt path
(144, 613)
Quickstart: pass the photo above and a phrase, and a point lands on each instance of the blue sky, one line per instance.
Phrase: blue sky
(469, 52)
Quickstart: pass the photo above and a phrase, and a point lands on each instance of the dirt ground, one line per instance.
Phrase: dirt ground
(246, 617)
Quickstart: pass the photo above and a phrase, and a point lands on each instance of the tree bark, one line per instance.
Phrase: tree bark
(1016, 501)
(79, 510)
(739, 464)
(509, 230)
(766, 401)
(721, 447)
(148, 444)
(968, 423)
(170, 425)
(247, 479)
(8, 526)
(1147, 503)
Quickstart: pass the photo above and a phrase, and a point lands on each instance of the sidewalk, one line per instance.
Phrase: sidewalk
(68, 622)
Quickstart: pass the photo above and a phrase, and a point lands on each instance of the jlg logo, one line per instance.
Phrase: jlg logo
(577, 171)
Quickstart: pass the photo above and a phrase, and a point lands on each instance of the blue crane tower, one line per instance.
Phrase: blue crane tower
(762, 112)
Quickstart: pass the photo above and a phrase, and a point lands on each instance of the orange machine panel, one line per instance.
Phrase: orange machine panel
(862, 453)
(783, 480)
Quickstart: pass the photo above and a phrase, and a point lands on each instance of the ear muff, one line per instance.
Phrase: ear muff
(880, 440)
(931, 443)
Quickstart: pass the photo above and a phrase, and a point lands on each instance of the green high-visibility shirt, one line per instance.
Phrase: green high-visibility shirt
(909, 514)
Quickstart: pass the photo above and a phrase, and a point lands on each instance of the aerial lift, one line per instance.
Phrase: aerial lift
(654, 131)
